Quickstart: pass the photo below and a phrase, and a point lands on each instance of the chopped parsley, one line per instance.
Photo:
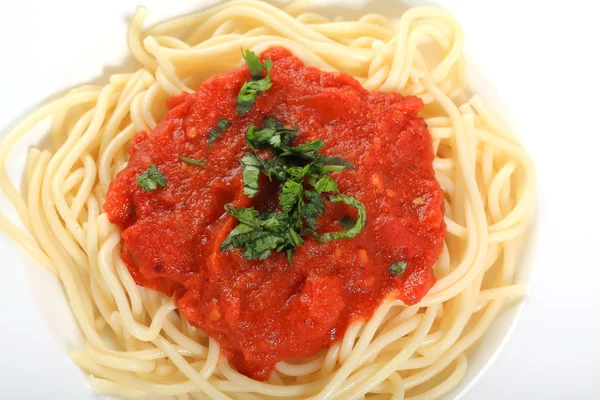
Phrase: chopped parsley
(151, 178)
(218, 130)
(253, 88)
(188, 160)
(304, 178)
(398, 268)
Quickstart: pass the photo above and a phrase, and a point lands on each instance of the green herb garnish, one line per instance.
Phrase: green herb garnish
(253, 61)
(398, 268)
(218, 130)
(346, 222)
(251, 164)
(273, 134)
(326, 184)
(253, 88)
(303, 174)
(151, 178)
(188, 160)
(360, 223)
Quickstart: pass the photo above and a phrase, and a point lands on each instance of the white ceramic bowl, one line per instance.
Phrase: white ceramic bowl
(42, 330)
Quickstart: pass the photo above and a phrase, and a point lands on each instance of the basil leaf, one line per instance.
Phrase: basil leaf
(326, 184)
(272, 135)
(245, 100)
(293, 238)
(291, 195)
(346, 222)
(308, 150)
(249, 93)
(314, 208)
(218, 130)
(337, 161)
(258, 138)
(274, 168)
(275, 221)
(192, 161)
(151, 178)
(398, 268)
(251, 165)
(262, 246)
(239, 236)
(272, 123)
(360, 223)
(297, 173)
(322, 165)
(289, 254)
(259, 86)
(248, 216)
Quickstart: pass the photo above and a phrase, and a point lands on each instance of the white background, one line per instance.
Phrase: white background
(541, 56)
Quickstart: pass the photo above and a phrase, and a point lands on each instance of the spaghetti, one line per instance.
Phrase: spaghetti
(137, 343)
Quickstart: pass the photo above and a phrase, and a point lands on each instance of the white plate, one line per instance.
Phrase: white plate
(46, 47)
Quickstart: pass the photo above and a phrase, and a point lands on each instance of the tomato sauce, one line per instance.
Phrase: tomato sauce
(264, 311)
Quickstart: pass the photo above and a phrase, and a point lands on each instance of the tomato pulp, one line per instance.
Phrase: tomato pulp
(264, 311)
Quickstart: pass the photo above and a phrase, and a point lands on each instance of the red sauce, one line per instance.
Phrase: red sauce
(262, 312)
